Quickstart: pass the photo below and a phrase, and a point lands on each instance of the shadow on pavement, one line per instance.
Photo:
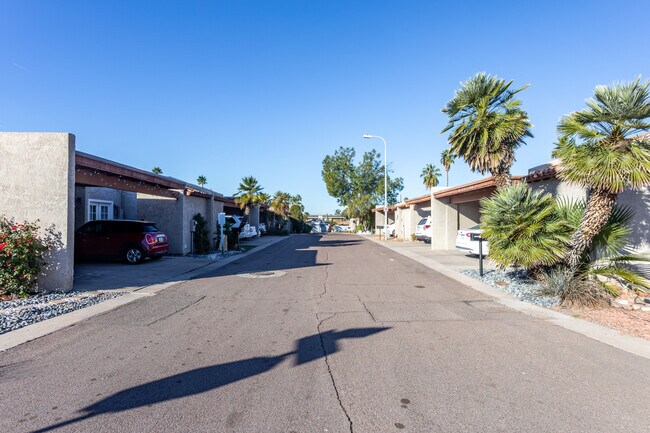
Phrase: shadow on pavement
(205, 379)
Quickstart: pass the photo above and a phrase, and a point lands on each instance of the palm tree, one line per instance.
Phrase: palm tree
(281, 204)
(156, 170)
(248, 193)
(600, 149)
(201, 180)
(487, 125)
(430, 177)
(446, 159)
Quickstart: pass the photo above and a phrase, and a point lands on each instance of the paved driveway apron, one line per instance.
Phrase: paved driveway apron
(353, 337)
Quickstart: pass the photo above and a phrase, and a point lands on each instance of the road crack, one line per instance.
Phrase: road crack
(329, 371)
(367, 310)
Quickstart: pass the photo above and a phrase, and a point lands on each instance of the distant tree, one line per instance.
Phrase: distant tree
(201, 180)
(447, 159)
(157, 170)
(430, 177)
(358, 187)
(487, 125)
(248, 194)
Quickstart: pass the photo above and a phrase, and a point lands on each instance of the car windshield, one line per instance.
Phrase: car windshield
(149, 228)
(422, 222)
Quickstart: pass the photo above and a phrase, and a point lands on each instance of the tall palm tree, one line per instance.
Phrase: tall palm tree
(430, 177)
(156, 170)
(202, 180)
(248, 193)
(487, 125)
(446, 159)
(281, 204)
(600, 149)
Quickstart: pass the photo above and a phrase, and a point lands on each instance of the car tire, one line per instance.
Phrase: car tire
(133, 255)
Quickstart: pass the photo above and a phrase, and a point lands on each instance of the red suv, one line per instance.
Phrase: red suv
(132, 241)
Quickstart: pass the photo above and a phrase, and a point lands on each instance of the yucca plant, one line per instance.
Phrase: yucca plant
(523, 228)
(487, 124)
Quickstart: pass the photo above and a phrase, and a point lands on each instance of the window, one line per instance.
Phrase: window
(99, 209)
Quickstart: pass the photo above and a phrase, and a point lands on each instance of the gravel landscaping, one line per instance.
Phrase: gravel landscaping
(22, 312)
(516, 283)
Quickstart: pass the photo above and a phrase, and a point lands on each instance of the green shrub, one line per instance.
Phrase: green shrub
(22, 250)
(524, 228)
(201, 235)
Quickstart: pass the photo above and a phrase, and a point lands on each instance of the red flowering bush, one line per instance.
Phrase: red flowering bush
(22, 250)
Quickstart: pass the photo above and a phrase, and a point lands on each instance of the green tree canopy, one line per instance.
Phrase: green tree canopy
(202, 180)
(157, 170)
(358, 187)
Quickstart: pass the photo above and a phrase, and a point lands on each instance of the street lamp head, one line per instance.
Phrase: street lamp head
(368, 136)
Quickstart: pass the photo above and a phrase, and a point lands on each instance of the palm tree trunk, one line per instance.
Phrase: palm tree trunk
(447, 177)
(502, 180)
(599, 208)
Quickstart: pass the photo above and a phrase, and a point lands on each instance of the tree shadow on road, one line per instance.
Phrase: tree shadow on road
(205, 379)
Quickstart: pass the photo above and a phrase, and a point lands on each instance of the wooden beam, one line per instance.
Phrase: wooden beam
(88, 177)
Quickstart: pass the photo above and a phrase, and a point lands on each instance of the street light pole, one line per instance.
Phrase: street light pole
(385, 183)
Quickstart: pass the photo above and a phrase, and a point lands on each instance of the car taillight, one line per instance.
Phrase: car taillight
(426, 227)
(468, 234)
(150, 239)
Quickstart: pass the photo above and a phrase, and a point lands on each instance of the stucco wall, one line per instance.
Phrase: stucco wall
(124, 203)
(167, 214)
(639, 202)
(564, 190)
(37, 174)
(191, 206)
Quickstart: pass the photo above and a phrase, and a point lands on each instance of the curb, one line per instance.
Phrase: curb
(40, 329)
(635, 345)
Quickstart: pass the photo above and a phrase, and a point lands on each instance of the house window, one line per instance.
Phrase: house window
(99, 209)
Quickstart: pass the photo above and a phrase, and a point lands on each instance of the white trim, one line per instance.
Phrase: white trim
(99, 202)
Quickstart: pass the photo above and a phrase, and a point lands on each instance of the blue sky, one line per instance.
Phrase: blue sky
(268, 88)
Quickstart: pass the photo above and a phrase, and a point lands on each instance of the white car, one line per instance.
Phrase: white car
(248, 232)
(468, 239)
(424, 231)
(390, 229)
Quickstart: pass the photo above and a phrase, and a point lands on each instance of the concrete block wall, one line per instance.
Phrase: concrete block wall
(37, 177)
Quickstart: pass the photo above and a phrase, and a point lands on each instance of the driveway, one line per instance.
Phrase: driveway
(321, 333)
(91, 276)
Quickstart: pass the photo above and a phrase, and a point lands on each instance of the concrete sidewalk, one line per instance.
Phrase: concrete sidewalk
(449, 263)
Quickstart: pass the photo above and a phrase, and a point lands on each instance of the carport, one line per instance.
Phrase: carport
(457, 208)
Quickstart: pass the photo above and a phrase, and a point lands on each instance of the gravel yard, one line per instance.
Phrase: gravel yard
(22, 312)
(515, 283)
(636, 323)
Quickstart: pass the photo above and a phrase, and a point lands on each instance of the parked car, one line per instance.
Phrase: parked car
(468, 239)
(132, 241)
(341, 229)
(390, 229)
(248, 232)
(424, 231)
(262, 229)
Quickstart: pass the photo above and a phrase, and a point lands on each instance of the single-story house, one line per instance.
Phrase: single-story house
(43, 177)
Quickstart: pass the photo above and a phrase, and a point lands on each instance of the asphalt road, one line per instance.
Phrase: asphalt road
(353, 338)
